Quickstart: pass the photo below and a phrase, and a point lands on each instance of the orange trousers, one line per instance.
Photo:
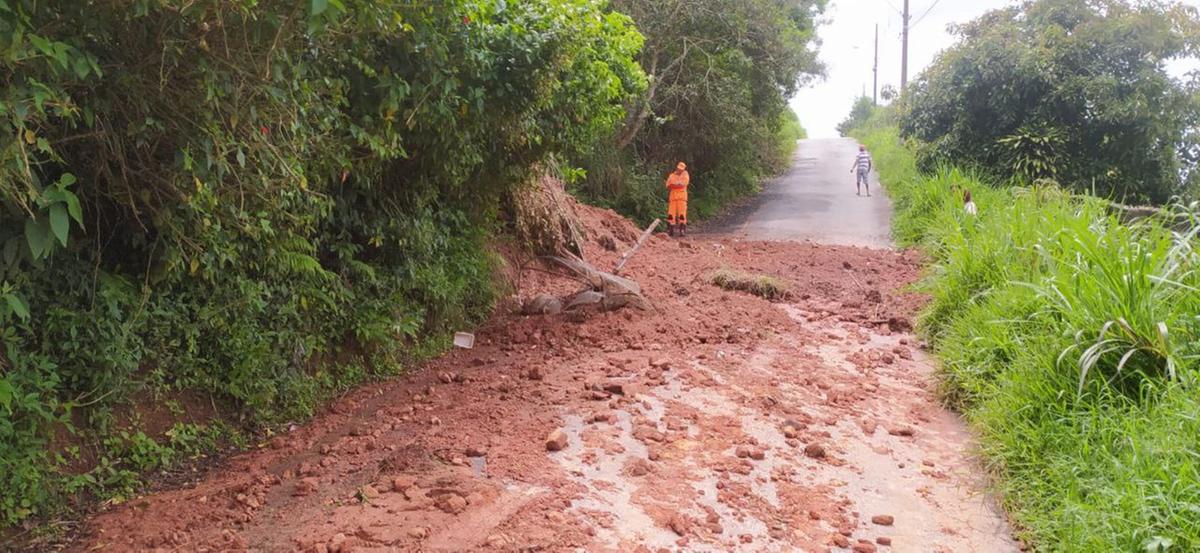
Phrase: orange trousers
(677, 207)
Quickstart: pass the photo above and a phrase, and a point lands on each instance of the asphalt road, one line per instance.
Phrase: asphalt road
(815, 201)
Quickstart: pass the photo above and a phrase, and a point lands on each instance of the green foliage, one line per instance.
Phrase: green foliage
(290, 198)
(1070, 341)
(859, 114)
(1074, 90)
(720, 73)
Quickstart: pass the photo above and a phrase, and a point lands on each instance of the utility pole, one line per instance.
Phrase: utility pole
(875, 70)
(904, 52)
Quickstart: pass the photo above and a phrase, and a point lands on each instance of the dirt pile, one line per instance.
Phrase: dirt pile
(714, 421)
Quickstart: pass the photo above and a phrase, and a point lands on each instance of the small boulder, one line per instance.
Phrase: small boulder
(542, 304)
(451, 503)
(556, 441)
(883, 520)
(815, 451)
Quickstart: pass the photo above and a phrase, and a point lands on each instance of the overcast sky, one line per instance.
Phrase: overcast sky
(847, 50)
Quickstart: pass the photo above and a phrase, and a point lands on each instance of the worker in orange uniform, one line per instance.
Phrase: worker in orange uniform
(677, 185)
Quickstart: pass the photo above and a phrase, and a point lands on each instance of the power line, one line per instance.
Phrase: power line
(934, 5)
(893, 6)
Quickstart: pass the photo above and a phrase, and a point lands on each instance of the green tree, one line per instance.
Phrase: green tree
(720, 73)
(1075, 90)
(222, 197)
(859, 114)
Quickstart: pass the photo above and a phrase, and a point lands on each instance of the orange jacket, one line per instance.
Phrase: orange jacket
(678, 181)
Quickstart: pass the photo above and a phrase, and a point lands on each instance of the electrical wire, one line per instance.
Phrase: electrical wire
(893, 6)
(919, 19)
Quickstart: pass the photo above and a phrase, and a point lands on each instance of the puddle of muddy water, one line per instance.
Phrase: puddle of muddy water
(608, 490)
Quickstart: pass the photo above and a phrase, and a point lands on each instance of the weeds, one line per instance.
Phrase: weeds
(766, 287)
(1070, 342)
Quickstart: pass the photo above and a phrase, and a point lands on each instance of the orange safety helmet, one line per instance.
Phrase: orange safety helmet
(681, 166)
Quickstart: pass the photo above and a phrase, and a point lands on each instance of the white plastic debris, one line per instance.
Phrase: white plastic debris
(464, 340)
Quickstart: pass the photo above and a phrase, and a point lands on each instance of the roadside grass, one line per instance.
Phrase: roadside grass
(1069, 341)
(763, 286)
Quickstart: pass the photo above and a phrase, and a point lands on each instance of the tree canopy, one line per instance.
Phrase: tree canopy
(720, 73)
(219, 197)
(1071, 90)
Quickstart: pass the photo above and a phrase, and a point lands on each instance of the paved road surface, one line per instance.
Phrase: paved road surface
(815, 201)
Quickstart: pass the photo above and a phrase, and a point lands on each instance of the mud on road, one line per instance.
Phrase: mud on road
(716, 422)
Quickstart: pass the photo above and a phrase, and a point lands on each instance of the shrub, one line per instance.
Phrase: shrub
(261, 202)
(1069, 340)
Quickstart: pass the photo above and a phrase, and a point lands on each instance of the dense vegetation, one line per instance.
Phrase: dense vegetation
(217, 214)
(242, 206)
(1071, 343)
(720, 73)
(1071, 90)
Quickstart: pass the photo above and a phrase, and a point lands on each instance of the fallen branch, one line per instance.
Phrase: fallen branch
(629, 254)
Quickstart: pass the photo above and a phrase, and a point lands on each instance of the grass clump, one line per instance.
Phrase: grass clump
(1069, 341)
(763, 286)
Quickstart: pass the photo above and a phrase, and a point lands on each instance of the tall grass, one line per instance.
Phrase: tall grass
(1069, 341)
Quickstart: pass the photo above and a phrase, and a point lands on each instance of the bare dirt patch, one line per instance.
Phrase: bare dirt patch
(714, 421)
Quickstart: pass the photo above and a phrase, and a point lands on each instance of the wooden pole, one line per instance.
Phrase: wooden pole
(645, 234)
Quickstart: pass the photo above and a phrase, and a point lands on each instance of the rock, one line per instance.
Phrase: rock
(840, 541)
(639, 467)
(883, 520)
(815, 451)
(401, 483)
(413, 493)
(615, 388)
(607, 242)
(451, 503)
(542, 304)
(846, 265)
(556, 441)
(887, 359)
(534, 373)
(863, 547)
(660, 363)
(306, 486)
(883, 540)
(648, 433)
(678, 524)
(901, 431)
(791, 432)
(446, 378)
(757, 453)
(742, 452)
(336, 543)
(472, 451)
(418, 532)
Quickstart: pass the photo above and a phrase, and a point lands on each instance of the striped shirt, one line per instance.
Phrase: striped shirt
(863, 162)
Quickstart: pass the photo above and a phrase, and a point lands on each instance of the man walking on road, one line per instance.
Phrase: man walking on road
(677, 185)
(862, 164)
